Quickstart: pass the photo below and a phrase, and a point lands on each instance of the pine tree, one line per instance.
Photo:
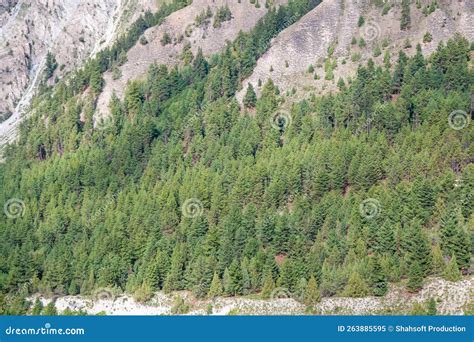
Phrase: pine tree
(454, 239)
(246, 283)
(268, 286)
(200, 65)
(341, 84)
(250, 98)
(321, 182)
(385, 237)
(227, 282)
(51, 65)
(143, 293)
(415, 277)
(431, 307)
(96, 82)
(165, 39)
(200, 276)
(356, 286)
(451, 272)
(418, 310)
(234, 287)
(405, 21)
(216, 287)
(267, 229)
(50, 310)
(418, 248)
(312, 295)
(438, 264)
(378, 279)
(37, 308)
(300, 290)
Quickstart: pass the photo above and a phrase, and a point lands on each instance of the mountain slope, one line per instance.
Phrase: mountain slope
(330, 28)
(71, 30)
(182, 28)
(344, 195)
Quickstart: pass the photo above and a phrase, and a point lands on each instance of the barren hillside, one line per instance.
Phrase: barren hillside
(70, 29)
(332, 28)
(182, 28)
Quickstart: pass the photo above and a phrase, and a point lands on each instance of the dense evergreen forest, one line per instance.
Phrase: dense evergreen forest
(183, 189)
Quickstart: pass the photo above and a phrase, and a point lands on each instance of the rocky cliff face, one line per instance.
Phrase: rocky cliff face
(332, 28)
(71, 30)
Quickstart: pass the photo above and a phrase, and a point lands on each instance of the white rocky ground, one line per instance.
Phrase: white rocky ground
(451, 299)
